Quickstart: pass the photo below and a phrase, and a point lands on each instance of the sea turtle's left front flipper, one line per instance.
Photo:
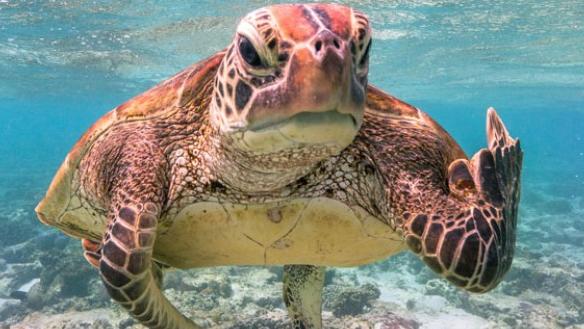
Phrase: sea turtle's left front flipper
(469, 235)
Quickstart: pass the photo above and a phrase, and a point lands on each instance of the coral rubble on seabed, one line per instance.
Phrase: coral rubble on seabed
(46, 283)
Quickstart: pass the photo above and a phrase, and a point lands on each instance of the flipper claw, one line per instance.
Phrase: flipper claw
(497, 133)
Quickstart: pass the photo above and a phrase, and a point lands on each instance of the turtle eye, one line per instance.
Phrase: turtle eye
(249, 53)
(365, 55)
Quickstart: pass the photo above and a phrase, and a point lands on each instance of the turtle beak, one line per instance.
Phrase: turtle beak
(320, 79)
(330, 52)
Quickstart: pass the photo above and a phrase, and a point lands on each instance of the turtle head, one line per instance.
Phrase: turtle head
(294, 79)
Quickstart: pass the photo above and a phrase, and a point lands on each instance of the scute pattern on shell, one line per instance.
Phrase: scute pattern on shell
(180, 90)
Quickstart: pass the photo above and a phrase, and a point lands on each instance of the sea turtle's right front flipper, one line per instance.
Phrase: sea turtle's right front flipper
(126, 265)
(469, 234)
(127, 270)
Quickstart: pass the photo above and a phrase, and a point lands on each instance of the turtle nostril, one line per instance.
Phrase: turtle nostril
(318, 46)
(336, 43)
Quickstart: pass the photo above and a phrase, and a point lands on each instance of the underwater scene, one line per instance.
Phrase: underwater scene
(64, 64)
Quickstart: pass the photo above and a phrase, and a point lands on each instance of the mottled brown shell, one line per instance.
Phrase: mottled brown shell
(160, 100)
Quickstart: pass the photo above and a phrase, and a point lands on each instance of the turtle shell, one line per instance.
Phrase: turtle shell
(165, 97)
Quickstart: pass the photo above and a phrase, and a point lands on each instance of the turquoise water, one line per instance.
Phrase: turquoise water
(63, 64)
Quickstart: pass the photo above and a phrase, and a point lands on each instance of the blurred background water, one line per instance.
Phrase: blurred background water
(63, 64)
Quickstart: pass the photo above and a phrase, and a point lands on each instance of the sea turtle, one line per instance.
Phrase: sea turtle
(277, 151)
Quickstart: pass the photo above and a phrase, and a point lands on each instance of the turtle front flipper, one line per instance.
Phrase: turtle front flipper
(469, 234)
(126, 267)
(303, 295)
(137, 187)
(92, 253)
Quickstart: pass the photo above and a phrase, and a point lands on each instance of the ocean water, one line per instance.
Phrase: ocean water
(63, 64)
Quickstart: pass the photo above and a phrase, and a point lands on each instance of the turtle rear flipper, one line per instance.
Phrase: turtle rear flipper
(303, 295)
(91, 252)
(469, 234)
